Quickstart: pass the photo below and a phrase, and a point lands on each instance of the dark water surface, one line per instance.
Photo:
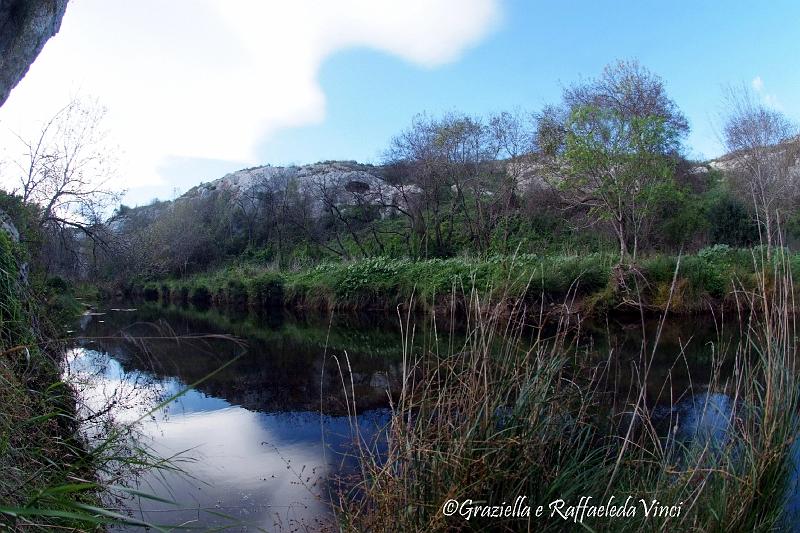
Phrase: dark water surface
(266, 428)
(259, 439)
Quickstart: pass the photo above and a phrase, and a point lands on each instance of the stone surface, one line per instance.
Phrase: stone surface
(25, 27)
(8, 226)
(341, 182)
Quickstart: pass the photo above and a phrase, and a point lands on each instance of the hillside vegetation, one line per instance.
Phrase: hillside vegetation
(593, 196)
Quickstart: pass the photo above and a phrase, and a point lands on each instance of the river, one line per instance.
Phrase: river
(262, 429)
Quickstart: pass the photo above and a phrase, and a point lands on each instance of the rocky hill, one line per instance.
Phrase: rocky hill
(328, 190)
(789, 149)
(334, 182)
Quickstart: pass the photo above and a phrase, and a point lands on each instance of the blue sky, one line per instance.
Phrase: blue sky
(538, 48)
(214, 86)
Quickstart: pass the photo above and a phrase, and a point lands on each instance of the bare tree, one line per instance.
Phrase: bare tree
(291, 216)
(67, 166)
(764, 152)
(282, 203)
(398, 196)
(248, 204)
(515, 136)
(419, 181)
(631, 90)
(450, 161)
(466, 150)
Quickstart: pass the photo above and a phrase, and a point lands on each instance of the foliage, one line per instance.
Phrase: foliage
(38, 449)
(708, 277)
(492, 417)
(619, 168)
(730, 222)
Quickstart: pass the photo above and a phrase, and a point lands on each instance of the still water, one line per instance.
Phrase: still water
(259, 440)
(263, 432)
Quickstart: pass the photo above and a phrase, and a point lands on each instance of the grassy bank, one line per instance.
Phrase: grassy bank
(52, 476)
(480, 426)
(40, 456)
(709, 279)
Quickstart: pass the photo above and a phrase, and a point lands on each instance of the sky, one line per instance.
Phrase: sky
(198, 88)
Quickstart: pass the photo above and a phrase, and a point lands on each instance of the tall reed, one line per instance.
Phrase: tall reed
(513, 411)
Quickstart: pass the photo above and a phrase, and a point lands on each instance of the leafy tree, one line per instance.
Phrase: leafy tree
(611, 149)
(681, 219)
(618, 168)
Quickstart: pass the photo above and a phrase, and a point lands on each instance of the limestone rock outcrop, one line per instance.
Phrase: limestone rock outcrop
(25, 27)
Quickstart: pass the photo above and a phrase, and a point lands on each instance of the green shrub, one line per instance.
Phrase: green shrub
(236, 293)
(730, 222)
(718, 253)
(659, 268)
(150, 293)
(266, 290)
(57, 283)
(558, 274)
(705, 276)
(12, 326)
(794, 265)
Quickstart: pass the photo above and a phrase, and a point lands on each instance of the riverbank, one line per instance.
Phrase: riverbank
(61, 462)
(46, 472)
(528, 437)
(716, 277)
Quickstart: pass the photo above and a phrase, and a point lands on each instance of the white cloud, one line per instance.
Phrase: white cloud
(209, 78)
(768, 99)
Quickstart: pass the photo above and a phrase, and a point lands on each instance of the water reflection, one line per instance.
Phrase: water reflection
(288, 366)
(255, 450)
(266, 470)
(264, 420)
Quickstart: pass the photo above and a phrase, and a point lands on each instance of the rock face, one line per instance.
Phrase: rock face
(342, 184)
(331, 181)
(25, 27)
(327, 183)
(328, 171)
(789, 149)
(8, 226)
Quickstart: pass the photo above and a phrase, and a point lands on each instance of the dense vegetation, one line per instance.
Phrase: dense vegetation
(60, 460)
(586, 206)
(711, 279)
(497, 417)
(39, 451)
(596, 187)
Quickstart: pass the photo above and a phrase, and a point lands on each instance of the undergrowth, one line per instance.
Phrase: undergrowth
(515, 411)
(708, 279)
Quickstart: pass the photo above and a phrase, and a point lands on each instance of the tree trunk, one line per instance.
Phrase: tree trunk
(623, 246)
(623, 249)
(769, 237)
